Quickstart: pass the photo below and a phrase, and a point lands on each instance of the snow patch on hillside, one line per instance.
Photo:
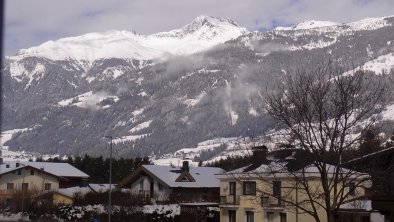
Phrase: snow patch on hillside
(141, 126)
(234, 117)
(369, 24)
(19, 72)
(382, 64)
(114, 72)
(133, 138)
(388, 113)
(89, 100)
(7, 135)
(193, 102)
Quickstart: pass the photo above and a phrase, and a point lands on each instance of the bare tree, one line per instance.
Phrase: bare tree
(321, 109)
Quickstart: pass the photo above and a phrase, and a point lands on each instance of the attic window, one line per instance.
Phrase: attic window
(185, 177)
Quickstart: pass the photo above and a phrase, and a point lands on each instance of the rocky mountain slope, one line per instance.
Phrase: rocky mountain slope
(170, 90)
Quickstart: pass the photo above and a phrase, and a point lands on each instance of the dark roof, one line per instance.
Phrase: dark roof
(371, 156)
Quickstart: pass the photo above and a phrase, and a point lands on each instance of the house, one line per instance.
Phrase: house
(67, 195)
(380, 165)
(359, 210)
(169, 183)
(33, 177)
(267, 189)
(62, 195)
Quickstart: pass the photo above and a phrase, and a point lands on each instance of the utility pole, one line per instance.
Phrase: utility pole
(110, 179)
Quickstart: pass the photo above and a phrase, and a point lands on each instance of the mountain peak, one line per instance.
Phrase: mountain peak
(201, 34)
(204, 24)
(308, 24)
(211, 20)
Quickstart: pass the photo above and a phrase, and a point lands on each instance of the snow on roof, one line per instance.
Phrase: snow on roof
(57, 169)
(357, 205)
(204, 176)
(371, 155)
(100, 187)
(280, 167)
(71, 191)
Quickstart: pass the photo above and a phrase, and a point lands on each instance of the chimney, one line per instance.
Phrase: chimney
(185, 166)
(259, 155)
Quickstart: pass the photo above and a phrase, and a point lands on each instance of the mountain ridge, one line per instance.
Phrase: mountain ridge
(201, 34)
(162, 105)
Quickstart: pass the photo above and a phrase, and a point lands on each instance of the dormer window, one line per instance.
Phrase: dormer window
(185, 177)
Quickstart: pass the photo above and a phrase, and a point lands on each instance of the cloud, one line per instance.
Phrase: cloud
(29, 23)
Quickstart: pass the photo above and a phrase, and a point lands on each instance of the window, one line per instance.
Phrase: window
(25, 186)
(231, 216)
(161, 187)
(232, 188)
(352, 189)
(10, 186)
(31, 172)
(19, 172)
(249, 216)
(47, 186)
(141, 185)
(283, 217)
(276, 188)
(270, 216)
(264, 201)
(249, 188)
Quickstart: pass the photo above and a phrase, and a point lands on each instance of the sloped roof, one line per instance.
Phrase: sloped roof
(205, 177)
(368, 157)
(57, 169)
(71, 191)
(281, 167)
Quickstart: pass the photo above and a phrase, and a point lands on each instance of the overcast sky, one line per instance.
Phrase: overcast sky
(32, 22)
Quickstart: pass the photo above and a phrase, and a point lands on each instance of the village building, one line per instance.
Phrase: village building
(35, 177)
(380, 165)
(262, 190)
(177, 184)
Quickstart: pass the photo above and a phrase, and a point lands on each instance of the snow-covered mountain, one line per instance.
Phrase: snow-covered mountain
(172, 90)
(201, 34)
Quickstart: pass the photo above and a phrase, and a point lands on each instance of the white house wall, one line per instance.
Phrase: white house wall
(135, 188)
(36, 182)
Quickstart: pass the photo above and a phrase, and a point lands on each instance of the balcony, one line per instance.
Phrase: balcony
(229, 201)
(272, 203)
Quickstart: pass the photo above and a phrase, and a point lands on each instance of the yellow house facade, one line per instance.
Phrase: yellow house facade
(266, 193)
(26, 179)
(36, 177)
